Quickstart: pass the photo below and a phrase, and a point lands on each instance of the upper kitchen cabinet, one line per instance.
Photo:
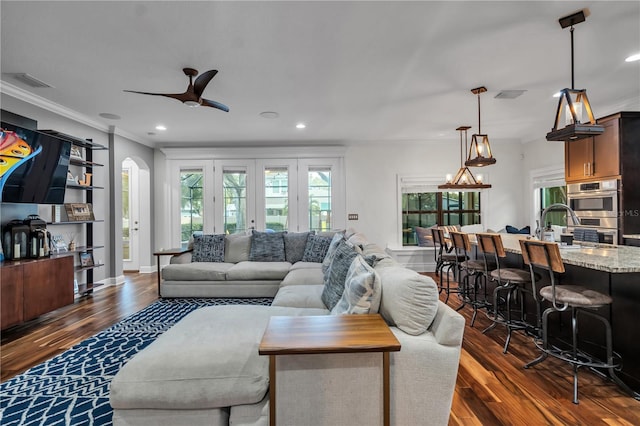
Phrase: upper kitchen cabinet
(605, 155)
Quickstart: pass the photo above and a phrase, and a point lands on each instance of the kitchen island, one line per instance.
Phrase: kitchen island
(609, 269)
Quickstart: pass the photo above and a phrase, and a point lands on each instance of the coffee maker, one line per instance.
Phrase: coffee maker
(38, 244)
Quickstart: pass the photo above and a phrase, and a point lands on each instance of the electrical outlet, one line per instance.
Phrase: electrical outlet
(352, 216)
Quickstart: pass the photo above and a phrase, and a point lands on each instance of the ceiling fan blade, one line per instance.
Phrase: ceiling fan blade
(179, 96)
(202, 81)
(214, 104)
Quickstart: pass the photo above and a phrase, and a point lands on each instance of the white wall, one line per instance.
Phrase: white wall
(371, 172)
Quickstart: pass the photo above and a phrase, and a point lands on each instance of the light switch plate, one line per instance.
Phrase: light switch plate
(352, 216)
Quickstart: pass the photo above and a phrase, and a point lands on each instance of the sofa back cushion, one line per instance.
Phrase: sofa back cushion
(316, 248)
(267, 247)
(236, 248)
(362, 290)
(208, 248)
(335, 276)
(409, 300)
(294, 245)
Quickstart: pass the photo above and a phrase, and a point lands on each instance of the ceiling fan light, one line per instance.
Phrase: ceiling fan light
(192, 104)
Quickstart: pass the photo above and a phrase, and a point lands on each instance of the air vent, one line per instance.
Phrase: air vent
(509, 94)
(31, 80)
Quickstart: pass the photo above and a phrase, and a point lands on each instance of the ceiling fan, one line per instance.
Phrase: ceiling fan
(193, 95)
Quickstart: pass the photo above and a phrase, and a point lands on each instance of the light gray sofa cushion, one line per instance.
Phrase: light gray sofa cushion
(258, 271)
(409, 300)
(209, 359)
(300, 296)
(294, 245)
(250, 414)
(335, 276)
(306, 265)
(304, 276)
(196, 271)
(236, 248)
(267, 247)
(362, 290)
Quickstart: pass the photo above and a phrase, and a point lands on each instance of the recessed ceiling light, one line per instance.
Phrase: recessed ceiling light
(161, 127)
(301, 126)
(633, 58)
(109, 116)
(269, 114)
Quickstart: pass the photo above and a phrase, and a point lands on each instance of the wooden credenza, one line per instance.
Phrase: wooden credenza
(30, 288)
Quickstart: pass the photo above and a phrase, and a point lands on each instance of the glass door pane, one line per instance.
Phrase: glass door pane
(191, 204)
(276, 197)
(234, 184)
(126, 244)
(319, 180)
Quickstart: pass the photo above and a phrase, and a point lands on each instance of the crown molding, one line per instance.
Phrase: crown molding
(36, 100)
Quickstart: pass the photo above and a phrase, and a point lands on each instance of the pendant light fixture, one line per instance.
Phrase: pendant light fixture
(573, 103)
(480, 150)
(464, 179)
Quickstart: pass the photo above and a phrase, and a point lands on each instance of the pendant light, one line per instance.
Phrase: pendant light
(464, 179)
(573, 102)
(480, 150)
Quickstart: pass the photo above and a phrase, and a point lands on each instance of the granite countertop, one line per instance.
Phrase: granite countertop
(632, 236)
(604, 257)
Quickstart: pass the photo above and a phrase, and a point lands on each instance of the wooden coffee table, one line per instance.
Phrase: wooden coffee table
(328, 334)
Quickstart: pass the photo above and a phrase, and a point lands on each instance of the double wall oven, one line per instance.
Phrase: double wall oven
(596, 205)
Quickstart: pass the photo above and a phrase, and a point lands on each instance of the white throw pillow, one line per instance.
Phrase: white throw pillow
(362, 290)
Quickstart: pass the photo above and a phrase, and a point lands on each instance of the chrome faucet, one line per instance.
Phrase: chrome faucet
(556, 206)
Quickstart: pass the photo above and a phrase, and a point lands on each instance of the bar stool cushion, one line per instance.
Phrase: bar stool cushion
(575, 295)
(511, 275)
(476, 265)
(451, 257)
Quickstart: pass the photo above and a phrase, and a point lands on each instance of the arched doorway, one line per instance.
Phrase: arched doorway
(136, 204)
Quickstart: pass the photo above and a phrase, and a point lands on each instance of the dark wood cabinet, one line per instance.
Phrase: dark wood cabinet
(11, 295)
(34, 287)
(597, 157)
(47, 285)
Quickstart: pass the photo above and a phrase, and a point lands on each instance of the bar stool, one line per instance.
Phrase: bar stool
(445, 258)
(472, 268)
(511, 283)
(579, 300)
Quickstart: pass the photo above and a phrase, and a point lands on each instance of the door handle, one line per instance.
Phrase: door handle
(135, 229)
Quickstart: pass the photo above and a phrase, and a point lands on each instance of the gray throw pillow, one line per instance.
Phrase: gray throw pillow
(335, 276)
(316, 248)
(208, 248)
(267, 247)
(331, 251)
(294, 245)
(362, 290)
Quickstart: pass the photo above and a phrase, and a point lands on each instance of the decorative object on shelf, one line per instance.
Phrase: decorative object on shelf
(79, 211)
(70, 177)
(479, 149)
(76, 153)
(56, 213)
(15, 239)
(577, 102)
(464, 179)
(193, 95)
(72, 241)
(58, 244)
(86, 181)
(86, 259)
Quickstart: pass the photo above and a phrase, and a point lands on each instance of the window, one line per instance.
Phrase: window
(319, 198)
(552, 195)
(425, 209)
(126, 252)
(191, 204)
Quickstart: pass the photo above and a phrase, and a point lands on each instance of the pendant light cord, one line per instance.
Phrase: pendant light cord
(479, 129)
(572, 77)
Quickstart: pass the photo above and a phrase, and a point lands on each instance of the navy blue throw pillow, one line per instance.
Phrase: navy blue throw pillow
(513, 230)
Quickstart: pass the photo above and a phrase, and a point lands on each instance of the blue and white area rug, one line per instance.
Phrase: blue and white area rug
(73, 387)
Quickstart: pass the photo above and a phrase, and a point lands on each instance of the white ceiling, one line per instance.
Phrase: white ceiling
(354, 72)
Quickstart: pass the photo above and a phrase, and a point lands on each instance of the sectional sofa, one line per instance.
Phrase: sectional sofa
(206, 369)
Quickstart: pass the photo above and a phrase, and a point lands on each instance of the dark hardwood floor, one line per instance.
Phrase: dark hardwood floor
(492, 387)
